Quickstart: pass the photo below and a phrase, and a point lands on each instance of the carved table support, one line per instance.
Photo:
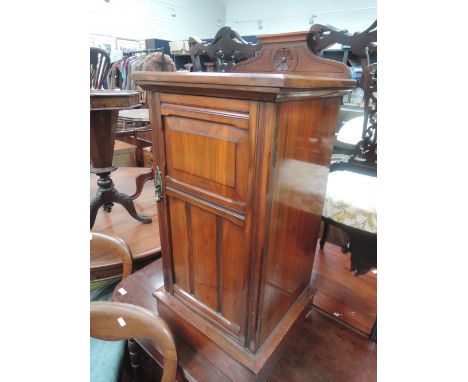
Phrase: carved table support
(104, 111)
(140, 182)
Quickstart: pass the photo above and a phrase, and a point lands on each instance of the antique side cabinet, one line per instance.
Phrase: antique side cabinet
(243, 161)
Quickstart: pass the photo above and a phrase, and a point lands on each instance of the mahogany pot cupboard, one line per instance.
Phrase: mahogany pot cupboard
(241, 164)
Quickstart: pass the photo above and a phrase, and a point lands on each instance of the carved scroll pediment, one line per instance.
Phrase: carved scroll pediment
(289, 53)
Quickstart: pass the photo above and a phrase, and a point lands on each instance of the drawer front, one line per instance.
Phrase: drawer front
(207, 148)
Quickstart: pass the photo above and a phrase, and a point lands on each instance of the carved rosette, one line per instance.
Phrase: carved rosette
(282, 59)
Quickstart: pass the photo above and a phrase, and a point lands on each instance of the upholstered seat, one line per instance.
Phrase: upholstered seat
(352, 200)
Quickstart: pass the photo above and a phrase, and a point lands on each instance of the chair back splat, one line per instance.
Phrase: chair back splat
(99, 67)
(113, 321)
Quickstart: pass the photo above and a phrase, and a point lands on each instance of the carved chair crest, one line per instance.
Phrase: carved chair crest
(323, 36)
(227, 48)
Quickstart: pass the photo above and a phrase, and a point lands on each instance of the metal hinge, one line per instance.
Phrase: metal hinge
(158, 194)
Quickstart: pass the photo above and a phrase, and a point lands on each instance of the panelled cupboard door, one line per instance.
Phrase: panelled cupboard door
(208, 150)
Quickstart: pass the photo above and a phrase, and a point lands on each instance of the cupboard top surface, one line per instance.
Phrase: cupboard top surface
(242, 80)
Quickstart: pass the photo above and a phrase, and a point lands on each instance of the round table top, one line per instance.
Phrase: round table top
(134, 115)
(107, 99)
(143, 239)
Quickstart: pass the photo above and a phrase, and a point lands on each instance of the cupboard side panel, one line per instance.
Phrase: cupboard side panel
(305, 143)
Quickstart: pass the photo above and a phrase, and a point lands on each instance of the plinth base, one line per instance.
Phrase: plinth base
(234, 361)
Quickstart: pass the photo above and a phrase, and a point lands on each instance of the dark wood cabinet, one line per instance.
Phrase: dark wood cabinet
(244, 164)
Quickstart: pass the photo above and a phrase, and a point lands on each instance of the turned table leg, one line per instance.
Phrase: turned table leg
(107, 195)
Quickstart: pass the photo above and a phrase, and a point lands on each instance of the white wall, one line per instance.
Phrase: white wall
(280, 16)
(143, 19)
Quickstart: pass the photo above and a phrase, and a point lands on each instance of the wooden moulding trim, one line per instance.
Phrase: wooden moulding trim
(267, 353)
(216, 115)
(207, 313)
(159, 157)
(310, 95)
(188, 318)
(248, 80)
(232, 216)
(263, 202)
(235, 205)
(237, 106)
(282, 37)
(257, 94)
(214, 91)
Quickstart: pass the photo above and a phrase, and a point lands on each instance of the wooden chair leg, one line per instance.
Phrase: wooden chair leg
(326, 229)
(135, 359)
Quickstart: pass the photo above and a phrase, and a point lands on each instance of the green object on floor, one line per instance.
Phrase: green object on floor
(106, 356)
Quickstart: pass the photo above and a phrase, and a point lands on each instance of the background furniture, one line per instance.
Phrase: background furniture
(353, 208)
(99, 67)
(124, 154)
(106, 357)
(105, 105)
(362, 49)
(134, 129)
(143, 240)
(104, 244)
(350, 204)
(113, 321)
(219, 160)
(148, 157)
(227, 48)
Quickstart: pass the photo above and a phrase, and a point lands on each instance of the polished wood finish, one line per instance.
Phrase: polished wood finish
(289, 53)
(105, 105)
(114, 321)
(253, 83)
(103, 245)
(243, 185)
(142, 239)
(319, 349)
(114, 100)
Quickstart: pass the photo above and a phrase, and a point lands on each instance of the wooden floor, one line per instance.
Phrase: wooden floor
(352, 299)
(321, 348)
